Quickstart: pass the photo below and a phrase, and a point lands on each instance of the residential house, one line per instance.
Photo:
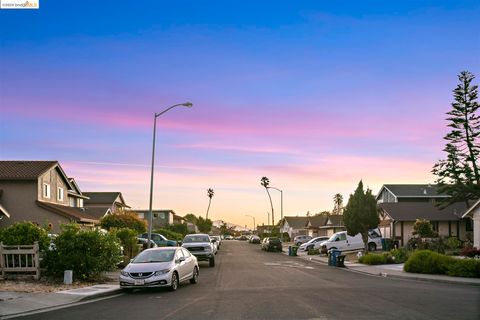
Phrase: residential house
(101, 204)
(40, 192)
(333, 224)
(161, 218)
(401, 205)
(294, 226)
(473, 213)
(264, 229)
(314, 223)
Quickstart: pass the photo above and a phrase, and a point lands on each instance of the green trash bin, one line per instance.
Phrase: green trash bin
(294, 250)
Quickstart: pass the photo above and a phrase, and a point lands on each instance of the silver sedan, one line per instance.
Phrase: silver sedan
(160, 267)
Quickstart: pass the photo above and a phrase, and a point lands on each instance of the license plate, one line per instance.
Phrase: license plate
(139, 282)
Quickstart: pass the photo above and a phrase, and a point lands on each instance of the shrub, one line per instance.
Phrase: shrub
(426, 261)
(125, 220)
(179, 228)
(453, 243)
(399, 255)
(373, 258)
(464, 268)
(470, 252)
(170, 235)
(128, 239)
(423, 229)
(86, 252)
(312, 252)
(25, 233)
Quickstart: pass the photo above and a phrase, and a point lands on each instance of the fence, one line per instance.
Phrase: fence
(20, 258)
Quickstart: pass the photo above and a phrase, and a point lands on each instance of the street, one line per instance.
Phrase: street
(248, 283)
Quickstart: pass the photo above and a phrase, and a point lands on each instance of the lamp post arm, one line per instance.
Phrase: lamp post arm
(170, 108)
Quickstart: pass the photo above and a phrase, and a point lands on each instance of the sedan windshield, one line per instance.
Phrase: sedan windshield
(188, 239)
(151, 256)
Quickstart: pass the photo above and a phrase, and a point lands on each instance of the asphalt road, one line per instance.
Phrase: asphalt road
(248, 283)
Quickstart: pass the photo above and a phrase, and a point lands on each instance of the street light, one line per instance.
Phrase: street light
(247, 215)
(281, 209)
(156, 115)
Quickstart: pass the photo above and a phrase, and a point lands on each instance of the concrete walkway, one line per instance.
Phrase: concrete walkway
(391, 271)
(13, 304)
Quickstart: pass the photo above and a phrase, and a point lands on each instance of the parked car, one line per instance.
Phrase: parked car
(311, 243)
(218, 241)
(144, 241)
(242, 238)
(228, 237)
(201, 246)
(160, 267)
(272, 244)
(343, 242)
(299, 240)
(254, 239)
(159, 239)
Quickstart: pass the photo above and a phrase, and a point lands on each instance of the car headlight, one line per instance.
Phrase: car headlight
(208, 249)
(124, 273)
(160, 272)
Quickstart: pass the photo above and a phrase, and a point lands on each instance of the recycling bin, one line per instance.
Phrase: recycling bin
(294, 250)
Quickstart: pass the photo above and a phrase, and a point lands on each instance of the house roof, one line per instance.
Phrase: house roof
(317, 221)
(469, 212)
(76, 214)
(24, 170)
(102, 197)
(297, 222)
(411, 211)
(335, 220)
(413, 190)
(97, 212)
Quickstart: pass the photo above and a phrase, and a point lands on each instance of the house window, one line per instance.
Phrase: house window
(80, 203)
(468, 224)
(60, 194)
(72, 202)
(434, 225)
(46, 190)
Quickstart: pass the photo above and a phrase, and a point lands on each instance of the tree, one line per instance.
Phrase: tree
(204, 225)
(190, 218)
(338, 204)
(361, 213)
(210, 194)
(423, 229)
(125, 220)
(265, 182)
(459, 174)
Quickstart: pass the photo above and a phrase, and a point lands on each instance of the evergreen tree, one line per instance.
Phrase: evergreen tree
(360, 214)
(459, 174)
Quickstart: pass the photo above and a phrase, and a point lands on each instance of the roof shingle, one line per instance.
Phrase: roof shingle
(411, 211)
(24, 170)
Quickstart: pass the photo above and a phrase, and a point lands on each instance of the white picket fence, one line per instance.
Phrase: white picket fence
(20, 258)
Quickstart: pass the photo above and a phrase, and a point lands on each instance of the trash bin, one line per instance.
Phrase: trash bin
(294, 250)
(384, 244)
(333, 255)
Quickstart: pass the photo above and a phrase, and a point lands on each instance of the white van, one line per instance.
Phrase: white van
(343, 242)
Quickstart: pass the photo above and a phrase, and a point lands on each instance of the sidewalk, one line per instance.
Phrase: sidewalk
(391, 271)
(13, 304)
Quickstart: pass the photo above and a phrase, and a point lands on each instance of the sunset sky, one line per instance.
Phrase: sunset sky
(315, 95)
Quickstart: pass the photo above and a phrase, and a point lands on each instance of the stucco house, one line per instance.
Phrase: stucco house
(40, 192)
(473, 213)
(294, 226)
(161, 218)
(101, 204)
(333, 224)
(401, 205)
(314, 223)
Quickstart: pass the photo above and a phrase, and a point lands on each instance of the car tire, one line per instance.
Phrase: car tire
(194, 276)
(299, 244)
(372, 246)
(174, 282)
(212, 262)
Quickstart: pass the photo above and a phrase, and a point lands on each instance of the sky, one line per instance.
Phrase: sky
(315, 95)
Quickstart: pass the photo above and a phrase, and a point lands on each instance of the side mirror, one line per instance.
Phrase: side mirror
(179, 243)
(131, 260)
(213, 240)
(181, 259)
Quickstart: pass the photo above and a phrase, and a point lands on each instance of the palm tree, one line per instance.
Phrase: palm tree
(338, 203)
(265, 182)
(210, 194)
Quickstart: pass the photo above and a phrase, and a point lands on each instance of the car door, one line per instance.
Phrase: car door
(189, 263)
(342, 243)
(181, 264)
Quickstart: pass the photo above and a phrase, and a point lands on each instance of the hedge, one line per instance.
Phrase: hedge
(170, 235)
(25, 233)
(373, 258)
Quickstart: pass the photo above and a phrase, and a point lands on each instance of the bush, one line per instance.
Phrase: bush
(464, 268)
(170, 235)
(86, 252)
(470, 252)
(399, 255)
(312, 252)
(373, 258)
(128, 239)
(453, 243)
(125, 220)
(179, 228)
(426, 261)
(25, 233)
(423, 229)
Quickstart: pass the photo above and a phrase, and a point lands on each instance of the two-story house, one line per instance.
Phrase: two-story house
(161, 218)
(101, 204)
(400, 205)
(41, 192)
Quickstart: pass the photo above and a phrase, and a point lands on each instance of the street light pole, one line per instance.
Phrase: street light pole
(281, 209)
(156, 115)
(247, 215)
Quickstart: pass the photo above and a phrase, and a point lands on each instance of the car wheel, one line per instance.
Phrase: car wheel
(195, 276)
(298, 244)
(174, 283)
(212, 262)
(372, 246)
(308, 248)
